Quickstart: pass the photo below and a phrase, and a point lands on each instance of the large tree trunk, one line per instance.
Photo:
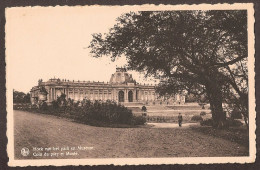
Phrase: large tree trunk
(215, 99)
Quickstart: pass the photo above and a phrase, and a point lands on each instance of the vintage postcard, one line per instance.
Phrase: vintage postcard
(130, 85)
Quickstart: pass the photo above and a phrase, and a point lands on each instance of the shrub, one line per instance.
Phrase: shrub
(234, 123)
(76, 104)
(138, 120)
(202, 113)
(229, 123)
(34, 106)
(236, 114)
(16, 107)
(95, 113)
(207, 122)
(107, 112)
(44, 106)
(196, 118)
(55, 104)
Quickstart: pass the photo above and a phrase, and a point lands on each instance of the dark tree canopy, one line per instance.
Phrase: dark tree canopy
(21, 97)
(202, 52)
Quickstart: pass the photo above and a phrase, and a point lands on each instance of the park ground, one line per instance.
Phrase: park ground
(47, 131)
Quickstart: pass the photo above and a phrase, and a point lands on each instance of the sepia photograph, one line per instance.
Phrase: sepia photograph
(124, 85)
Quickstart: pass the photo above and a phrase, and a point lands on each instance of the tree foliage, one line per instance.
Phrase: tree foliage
(202, 52)
(21, 97)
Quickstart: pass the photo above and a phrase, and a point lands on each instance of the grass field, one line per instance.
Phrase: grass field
(38, 130)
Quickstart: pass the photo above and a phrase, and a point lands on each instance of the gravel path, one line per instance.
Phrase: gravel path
(38, 130)
(171, 125)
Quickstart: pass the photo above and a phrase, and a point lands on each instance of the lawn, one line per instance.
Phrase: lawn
(39, 130)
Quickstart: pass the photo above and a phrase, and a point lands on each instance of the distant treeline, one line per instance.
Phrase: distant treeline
(21, 97)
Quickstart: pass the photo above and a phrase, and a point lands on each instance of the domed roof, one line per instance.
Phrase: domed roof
(121, 77)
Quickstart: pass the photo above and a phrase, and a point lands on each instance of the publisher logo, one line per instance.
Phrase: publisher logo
(25, 151)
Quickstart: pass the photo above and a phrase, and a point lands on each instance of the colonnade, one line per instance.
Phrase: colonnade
(102, 94)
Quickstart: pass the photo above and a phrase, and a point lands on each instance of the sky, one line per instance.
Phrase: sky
(48, 42)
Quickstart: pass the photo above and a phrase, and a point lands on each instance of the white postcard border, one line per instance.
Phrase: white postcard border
(141, 161)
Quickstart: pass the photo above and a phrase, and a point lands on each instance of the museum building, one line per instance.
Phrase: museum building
(121, 88)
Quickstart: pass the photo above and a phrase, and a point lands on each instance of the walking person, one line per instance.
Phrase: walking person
(180, 119)
(144, 109)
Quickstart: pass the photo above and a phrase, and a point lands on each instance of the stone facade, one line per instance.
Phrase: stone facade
(121, 88)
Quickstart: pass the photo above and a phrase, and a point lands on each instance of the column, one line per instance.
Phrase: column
(126, 99)
(79, 93)
(54, 97)
(67, 93)
(49, 99)
(134, 95)
(47, 95)
(103, 95)
(137, 95)
(50, 95)
(73, 93)
(115, 95)
(127, 95)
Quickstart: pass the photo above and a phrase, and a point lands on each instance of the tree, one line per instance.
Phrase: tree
(186, 50)
(236, 93)
(27, 98)
(62, 100)
(21, 97)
